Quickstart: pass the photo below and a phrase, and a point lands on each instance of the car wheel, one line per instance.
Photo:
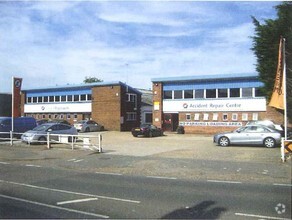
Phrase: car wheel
(87, 130)
(269, 142)
(223, 141)
(42, 140)
(150, 134)
(101, 128)
(135, 135)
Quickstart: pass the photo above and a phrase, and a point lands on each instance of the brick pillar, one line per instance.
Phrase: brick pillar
(157, 104)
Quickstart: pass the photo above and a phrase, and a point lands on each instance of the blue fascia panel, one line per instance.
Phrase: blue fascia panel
(57, 92)
(212, 85)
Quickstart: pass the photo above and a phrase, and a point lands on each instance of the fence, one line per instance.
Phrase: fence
(91, 142)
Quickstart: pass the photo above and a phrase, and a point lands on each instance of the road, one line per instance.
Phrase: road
(35, 191)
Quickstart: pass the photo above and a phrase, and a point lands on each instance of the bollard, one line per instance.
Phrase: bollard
(48, 140)
(99, 143)
(11, 138)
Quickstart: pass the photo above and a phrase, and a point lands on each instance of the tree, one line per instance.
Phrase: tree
(266, 45)
(89, 79)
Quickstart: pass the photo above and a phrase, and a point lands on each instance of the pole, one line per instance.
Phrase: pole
(12, 112)
(284, 89)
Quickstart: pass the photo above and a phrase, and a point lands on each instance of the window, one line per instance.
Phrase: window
(258, 92)
(255, 116)
(50, 116)
(222, 93)
(68, 116)
(57, 98)
(234, 117)
(244, 117)
(51, 98)
(215, 116)
(225, 117)
(34, 99)
(61, 116)
(188, 117)
(188, 94)
(69, 98)
(46, 99)
(148, 117)
(167, 94)
(131, 97)
(235, 92)
(83, 97)
(177, 94)
(199, 93)
(88, 97)
(206, 117)
(76, 98)
(246, 92)
(210, 93)
(55, 116)
(63, 98)
(40, 99)
(75, 116)
(44, 116)
(131, 116)
(28, 99)
(197, 117)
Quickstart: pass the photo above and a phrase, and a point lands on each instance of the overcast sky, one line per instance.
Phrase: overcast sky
(50, 43)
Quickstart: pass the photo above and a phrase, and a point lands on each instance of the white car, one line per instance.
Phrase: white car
(87, 126)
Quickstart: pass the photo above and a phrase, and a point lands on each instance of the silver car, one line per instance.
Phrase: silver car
(39, 133)
(249, 135)
(87, 126)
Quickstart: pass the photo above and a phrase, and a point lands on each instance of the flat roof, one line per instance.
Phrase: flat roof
(78, 86)
(206, 77)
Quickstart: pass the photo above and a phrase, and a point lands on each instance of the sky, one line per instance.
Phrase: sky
(49, 43)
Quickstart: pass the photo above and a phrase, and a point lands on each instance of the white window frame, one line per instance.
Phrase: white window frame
(197, 117)
(244, 117)
(234, 116)
(215, 116)
(206, 117)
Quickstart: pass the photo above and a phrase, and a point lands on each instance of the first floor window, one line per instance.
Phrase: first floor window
(210, 93)
(246, 92)
(199, 93)
(131, 116)
(235, 92)
(188, 94)
(167, 94)
(222, 93)
(177, 94)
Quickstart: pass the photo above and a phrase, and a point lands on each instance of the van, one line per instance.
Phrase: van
(21, 125)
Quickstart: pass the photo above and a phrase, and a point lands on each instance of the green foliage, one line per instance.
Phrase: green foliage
(90, 79)
(266, 45)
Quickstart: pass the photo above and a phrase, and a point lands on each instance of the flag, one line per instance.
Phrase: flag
(277, 99)
(16, 97)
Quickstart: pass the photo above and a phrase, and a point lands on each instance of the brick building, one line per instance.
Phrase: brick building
(115, 105)
(209, 103)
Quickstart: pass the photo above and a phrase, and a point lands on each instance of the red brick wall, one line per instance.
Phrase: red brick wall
(157, 98)
(106, 106)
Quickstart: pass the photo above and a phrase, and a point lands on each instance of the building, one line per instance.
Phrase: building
(207, 103)
(146, 106)
(115, 105)
(5, 104)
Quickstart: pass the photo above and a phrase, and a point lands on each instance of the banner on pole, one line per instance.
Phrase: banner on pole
(277, 99)
(16, 96)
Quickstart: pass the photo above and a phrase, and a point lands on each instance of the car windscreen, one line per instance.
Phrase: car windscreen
(42, 127)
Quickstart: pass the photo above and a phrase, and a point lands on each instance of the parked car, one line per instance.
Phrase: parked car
(60, 121)
(20, 125)
(39, 133)
(147, 130)
(268, 123)
(87, 126)
(249, 135)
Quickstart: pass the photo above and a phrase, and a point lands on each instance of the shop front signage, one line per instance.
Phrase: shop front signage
(258, 104)
(57, 108)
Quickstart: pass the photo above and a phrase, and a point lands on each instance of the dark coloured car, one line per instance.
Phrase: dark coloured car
(21, 124)
(147, 130)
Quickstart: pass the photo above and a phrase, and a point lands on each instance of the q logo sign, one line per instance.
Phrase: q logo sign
(185, 105)
(17, 83)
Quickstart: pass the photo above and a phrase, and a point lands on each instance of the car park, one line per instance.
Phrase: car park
(147, 130)
(88, 126)
(249, 135)
(39, 133)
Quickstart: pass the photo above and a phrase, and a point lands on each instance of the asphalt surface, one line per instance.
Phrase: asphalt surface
(173, 155)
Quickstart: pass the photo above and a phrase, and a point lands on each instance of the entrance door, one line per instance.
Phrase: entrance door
(170, 122)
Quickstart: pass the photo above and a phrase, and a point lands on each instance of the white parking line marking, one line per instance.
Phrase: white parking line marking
(260, 216)
(162, 177)
(54, 207)
(31, 165)
(282, 184)
(4, 163)
(115, 174)
(220, 181)
(77, 161)
(70, 192)
(76, 201)
(71, 159)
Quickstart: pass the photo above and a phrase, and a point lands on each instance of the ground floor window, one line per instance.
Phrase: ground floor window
(131, 116)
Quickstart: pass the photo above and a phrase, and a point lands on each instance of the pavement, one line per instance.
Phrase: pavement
(186, 156)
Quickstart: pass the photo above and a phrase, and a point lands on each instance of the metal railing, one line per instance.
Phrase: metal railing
(91, 142)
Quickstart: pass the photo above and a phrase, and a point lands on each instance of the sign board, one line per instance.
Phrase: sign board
(235, 105)
(57, 108)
